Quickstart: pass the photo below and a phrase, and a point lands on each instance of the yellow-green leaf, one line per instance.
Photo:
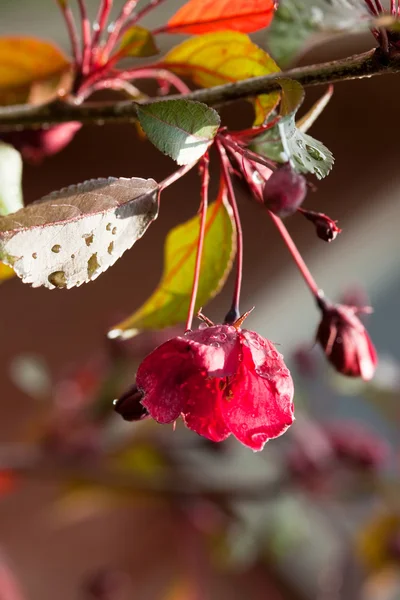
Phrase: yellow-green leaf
(137, 41)
(223, 57)
(27, 63)
(169, 303)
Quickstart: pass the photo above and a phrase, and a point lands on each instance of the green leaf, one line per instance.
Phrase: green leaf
(286, 142)
(182, 129)
(297, 21)
(10, 179)
(137, 41)
(169, 303)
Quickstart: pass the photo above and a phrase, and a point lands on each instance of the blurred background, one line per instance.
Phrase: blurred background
(140, 511)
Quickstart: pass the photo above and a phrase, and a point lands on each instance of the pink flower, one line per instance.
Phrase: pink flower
(346, 342)
(222, 380)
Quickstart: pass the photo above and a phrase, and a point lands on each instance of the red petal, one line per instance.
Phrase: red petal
(202, 411)
(161, 376)
(258, 405)
(164, 374)
(216, 349)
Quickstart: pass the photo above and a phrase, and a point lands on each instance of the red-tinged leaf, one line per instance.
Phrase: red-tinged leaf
(31, 70)
(224, 57)
(203, 16)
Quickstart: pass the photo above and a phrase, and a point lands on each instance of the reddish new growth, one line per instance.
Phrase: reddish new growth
(222, 380)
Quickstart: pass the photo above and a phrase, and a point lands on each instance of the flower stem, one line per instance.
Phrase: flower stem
(298, 259)
(154, 73)
(176, 175)
(234, 312)
(144, 11)
(205, 178)
(72, 31)
(118, 25)
(86, 38)
(101, 20)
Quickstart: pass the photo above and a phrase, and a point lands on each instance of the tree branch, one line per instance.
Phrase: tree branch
(354, 67)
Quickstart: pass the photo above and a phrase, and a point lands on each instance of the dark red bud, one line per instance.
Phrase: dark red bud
(37, 144)
(284, 191)
(325, 227)
(129, 405)
(346, 342)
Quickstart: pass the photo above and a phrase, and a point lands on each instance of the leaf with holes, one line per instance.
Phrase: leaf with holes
(31, 70)
(137, 41)
(287, 142)
(224, 57)
(71, 236)
(169, 303)
(182, 129)
(297, 22)
(202, 16)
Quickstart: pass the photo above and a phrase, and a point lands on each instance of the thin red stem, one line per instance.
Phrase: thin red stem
(253, 131)
(86, 38)
(72, 31)
(119, 24)
(144, 11)
(371, 7)
(379, 7)
(175, 176)
(205, 178)
(101, 20)
(253, 156)
(162, 74)
(298, 259)
(234, 312)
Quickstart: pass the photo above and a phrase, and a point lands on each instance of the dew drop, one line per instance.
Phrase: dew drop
(56, 248)
(110, 248)
(114, 231)
(108, 227)
(72, 256)
(215, 344)
(34, 255)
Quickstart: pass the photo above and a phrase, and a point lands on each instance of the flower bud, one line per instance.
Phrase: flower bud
(325, 227)
(129, 405)
(284, 191)
(346, 342)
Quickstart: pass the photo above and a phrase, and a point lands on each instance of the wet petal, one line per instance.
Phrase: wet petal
(202, 411)
(258, 406)
(162, 377)
(216, 349)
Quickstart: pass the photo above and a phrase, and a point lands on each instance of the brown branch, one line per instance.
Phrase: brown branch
(354, 67)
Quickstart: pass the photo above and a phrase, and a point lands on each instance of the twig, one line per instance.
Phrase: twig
(355, 67)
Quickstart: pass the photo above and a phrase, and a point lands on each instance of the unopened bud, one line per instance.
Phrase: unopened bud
(346, 342)
(129, 405)
(284, 191)
(325, 227)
